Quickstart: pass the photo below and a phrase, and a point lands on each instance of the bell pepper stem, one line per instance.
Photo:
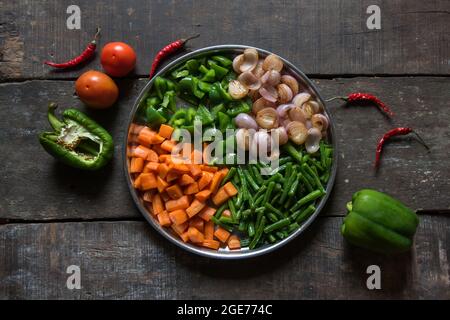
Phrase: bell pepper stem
(56, 124)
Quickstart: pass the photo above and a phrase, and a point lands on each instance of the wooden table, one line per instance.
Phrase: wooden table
(53, 216)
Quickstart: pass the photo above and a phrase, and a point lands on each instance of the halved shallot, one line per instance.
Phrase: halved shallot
(237, 90)
(250, 60)
(319, 121)
(312, 143)
(269, 93)
(297, 132)
(237, 62)
(271, 78)
(284, 93)
(273, 62)
(262, 103)
(249, 80)
(267, 118)
(301, 98)
(291, 82)
(297, 114)
(244, 120)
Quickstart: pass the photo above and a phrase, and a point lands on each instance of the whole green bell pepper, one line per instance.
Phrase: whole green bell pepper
(379, 222)
(77, 141)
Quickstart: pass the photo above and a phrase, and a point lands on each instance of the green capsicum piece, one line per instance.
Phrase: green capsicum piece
(189, 85)
(220, 71)
(169, 100)
(160, 86)
(154, 117)
(378, 222)
(204, 115)
(239, 107)
(210, 76)
(224, 121)
(224, 61)
(77, 140)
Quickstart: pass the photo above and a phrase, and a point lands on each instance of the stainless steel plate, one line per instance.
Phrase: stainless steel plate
(224, 253)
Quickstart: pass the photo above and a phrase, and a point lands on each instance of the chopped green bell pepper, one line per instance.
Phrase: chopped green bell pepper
(204, 115)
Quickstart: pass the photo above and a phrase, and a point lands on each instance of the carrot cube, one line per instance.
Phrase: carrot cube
(136, 165)
(164, 219)
(165, 131)
(195, 236)
(191, 189)
(221, 234)
(220, 197)
(178, 216)
(230, 189)
(174, 191)
(207, 213)
(211, 244)
(202, 196)
(195, 207)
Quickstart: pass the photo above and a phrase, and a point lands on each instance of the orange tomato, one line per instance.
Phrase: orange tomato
(118, 59)
(96, 89)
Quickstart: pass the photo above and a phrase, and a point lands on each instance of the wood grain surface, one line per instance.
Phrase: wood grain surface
(52, 216)
(322, 37)
(128, 260)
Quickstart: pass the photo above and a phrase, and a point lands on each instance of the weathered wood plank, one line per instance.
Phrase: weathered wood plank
(323, 37)
(128, 260)
(35, 187)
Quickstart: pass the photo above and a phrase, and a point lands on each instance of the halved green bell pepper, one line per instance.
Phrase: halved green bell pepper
(378, 222)
(77, 140)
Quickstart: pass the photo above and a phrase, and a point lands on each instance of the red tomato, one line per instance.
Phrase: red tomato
(96, 89)
(118, 59)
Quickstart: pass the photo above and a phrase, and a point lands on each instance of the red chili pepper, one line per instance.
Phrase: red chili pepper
(85, 55)
(168, 50)
(359, 97)
(391, 133)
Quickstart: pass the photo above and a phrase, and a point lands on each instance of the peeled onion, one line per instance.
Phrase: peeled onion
(259, 71)
(281, 134)
(262, 103)
(319, 121)
(271, 78)
(284, 93)
(297, 132)
(310, 108)
(237, 90)
(262, 140)
(297, 114)
(301, 98)
(312, 143)
(237, 62)
(273, 62)
(269, 93)
(283, 109)
(267, 118)
(244, 120)
(291, 82)
(250, 60)
(249, 80)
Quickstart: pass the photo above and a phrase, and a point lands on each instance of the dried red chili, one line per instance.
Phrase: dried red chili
(168, 50)
(359, 97)
(84, 56)
(392, 133)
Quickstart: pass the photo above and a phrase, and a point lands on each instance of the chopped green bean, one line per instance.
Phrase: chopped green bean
(220, 223)
(229, 175)
(306, 199)
(277, 225)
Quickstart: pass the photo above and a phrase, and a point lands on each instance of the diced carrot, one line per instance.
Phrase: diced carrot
(220, 197)
(171, 176)
(151, 166)
(207, 213)
(164, 219)
(136, 165)
(148, 181)
(163, 158)
(157, 139)
(226, 213)
(205, 179)
(181, 168)
(161, 183)
(157, 204)
(130, 150)
(197, 223)
(135, 128)
(221, 234)
(147, 196)
(230, 189)
(210, 168)
(196, 156)
(195, 236)
(163, 170)
(195, 207)
(168, 145)
(202, 196)
(141, 152)
(234, 242)
(209, 230)
(152, 156)
(195, 170)
(178, 216)
(164, 196)
(145, 136)
(165, 131)
(191, 189)
(180, 228)
(137, 182)
(184, 236)
(185, 180)
(177, 204)
(174, 191)
(211, 244)
(158, 150)
(215, 182)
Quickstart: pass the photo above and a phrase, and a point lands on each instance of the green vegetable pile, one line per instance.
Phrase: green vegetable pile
(197, 90)
(269, 208)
